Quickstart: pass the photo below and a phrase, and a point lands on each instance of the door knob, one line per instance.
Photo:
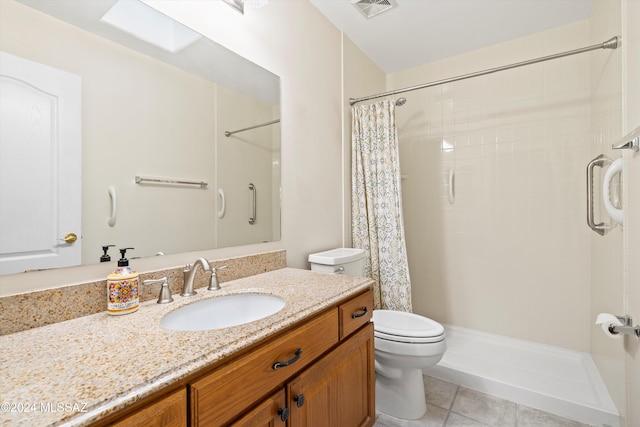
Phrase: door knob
(299, 399)
(70, 238)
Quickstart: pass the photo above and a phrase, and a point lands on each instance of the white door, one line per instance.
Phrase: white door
(40, 166)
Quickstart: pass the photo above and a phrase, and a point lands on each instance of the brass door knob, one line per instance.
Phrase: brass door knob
(70, 238)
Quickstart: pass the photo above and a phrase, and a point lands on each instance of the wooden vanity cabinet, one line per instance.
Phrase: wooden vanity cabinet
(320, 373)
(271, 412)
(338, 390)
(170, 411)
(335, 391)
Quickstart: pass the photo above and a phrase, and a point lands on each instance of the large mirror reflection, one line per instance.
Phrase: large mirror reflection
(151, 163)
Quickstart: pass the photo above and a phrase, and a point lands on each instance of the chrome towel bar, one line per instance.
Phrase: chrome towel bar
(142, 180)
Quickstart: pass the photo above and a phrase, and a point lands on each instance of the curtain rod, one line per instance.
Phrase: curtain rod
(229, 133)
(612, 43)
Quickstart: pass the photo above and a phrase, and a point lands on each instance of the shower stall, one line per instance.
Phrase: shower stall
(493, 184)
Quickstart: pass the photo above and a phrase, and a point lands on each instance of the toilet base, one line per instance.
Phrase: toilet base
(402, 397)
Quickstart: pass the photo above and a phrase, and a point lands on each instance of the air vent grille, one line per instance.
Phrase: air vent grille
(371, 8)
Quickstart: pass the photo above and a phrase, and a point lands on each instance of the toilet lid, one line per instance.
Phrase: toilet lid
(391, 323)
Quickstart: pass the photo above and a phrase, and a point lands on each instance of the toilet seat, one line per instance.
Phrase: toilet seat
(405, 327)
(409, 340)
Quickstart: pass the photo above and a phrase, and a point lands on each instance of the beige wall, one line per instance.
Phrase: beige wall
(607, 284)
(361, 77)
(631, 71)
(615, 270)
(510, 256)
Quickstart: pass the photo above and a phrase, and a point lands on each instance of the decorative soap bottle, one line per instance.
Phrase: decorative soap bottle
(122, 288)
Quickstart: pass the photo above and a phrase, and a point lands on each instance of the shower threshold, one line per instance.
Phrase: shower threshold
(552, 379)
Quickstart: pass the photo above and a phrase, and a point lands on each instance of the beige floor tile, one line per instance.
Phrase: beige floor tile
(435, 417)
(530, 417)
(484, 408)
(456, 420)
(439, 393)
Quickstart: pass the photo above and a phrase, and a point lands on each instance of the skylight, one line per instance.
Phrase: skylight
(146, 23)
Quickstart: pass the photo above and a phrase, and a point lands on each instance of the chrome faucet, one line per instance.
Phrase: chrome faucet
(190, 274)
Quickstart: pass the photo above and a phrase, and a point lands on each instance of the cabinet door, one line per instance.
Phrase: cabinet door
(219, 397)
(271, 412)
(339, 389)
(170, 411)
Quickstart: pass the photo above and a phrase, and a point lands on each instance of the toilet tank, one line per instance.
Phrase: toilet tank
(348, 261)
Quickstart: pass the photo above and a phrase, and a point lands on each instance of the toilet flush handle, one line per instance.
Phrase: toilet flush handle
(339, 270)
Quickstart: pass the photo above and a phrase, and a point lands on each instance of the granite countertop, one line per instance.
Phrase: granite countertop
(80, 370)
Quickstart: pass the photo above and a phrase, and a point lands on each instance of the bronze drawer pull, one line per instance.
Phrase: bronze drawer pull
(360, 314)
(279, 365)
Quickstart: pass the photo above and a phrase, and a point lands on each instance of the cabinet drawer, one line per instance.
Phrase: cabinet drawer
(223, 394)
(355, 313)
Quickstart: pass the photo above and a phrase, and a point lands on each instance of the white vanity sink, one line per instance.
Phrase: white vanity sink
(222, 312)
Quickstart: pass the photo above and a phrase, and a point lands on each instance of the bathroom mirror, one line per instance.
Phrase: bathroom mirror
(158, 172)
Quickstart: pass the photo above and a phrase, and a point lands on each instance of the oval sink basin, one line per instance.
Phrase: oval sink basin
(222, 312)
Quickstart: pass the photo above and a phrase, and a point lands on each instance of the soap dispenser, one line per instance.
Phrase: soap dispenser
(122, 288)
(105, 257)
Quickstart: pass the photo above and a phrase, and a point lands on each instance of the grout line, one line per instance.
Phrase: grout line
(455, 396)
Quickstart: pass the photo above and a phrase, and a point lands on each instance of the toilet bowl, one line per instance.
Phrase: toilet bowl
(404, 343)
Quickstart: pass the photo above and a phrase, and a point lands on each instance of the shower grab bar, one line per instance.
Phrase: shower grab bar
(111, 221)
(600, 228)
(452, 188)
(252, 219)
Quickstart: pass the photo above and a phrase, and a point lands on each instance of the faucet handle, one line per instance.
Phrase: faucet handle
(214, 285)
(222, 267)
(165, 291)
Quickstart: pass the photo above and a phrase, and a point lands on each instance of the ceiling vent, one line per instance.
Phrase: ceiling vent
(371, 8)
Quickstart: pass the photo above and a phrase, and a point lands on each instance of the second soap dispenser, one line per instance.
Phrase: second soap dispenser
(122, 288)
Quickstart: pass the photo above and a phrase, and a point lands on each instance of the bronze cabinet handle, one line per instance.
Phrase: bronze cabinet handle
(279, 365)
(360, 313)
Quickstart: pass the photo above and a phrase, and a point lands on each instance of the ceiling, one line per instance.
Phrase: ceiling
(421, 31)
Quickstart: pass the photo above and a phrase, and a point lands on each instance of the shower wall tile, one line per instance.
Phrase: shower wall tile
(509, 255)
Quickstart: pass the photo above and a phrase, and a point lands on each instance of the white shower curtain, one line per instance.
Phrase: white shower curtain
(377, 224)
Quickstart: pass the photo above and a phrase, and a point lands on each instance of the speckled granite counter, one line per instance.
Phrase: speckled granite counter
(78, 371)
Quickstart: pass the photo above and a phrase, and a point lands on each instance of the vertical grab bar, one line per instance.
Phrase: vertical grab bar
(452, 186)
(112, 195)
(252, 219)
(600, 228)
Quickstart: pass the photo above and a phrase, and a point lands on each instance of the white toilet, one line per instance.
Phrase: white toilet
(404, 343)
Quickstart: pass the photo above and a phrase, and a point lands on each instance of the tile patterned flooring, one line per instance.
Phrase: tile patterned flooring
(450, 405)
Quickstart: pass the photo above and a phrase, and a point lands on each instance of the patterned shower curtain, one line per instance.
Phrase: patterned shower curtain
(377, 224)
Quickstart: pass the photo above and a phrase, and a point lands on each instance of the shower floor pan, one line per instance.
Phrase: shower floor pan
(552, 379)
